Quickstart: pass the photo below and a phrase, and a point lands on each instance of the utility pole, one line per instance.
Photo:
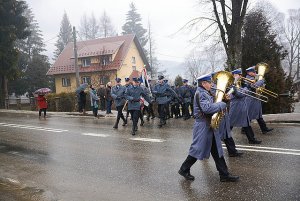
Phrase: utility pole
(76, 59)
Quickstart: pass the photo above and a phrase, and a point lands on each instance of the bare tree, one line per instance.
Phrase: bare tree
(88, 28)
(228, 19)
(106, 27)
(292, 34)
(152, 58)
(215, 57)
(195, 65)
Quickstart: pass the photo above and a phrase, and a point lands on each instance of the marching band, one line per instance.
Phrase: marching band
(220, 101)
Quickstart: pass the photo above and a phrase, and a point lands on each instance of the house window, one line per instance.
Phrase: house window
(86, 80)
(104, 79)
(105, 59)
(66, 82)
(133, 60)
(86, 62)
(133, 67)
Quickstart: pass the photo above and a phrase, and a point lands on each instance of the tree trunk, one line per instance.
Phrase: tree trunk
(4, 91)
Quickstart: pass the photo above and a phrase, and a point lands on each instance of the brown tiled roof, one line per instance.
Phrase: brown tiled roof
(99, 49)
(65, 62)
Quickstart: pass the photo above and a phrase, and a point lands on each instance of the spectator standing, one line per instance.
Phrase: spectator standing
(108, 98)
(42, 105)
(101, 93)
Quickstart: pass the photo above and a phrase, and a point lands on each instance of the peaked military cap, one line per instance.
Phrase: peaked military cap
(237, 71)
(250, 69)
(205, 77)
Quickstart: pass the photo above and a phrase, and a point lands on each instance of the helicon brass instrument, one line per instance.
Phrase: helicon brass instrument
(223, 79)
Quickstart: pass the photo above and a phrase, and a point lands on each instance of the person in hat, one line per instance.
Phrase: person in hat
(169, 96)
(108, 98)
(94, 101)
(193, 90)
(149, 108)
(160, 93)
(205, 140)
(239, 110)
(224, 129)
(133, 95)
(186, 94)
(127, 85)
(254, 105)
(118, 94)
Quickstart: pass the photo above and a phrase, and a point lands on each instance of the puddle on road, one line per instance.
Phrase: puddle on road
(16, 191)
(29, 154)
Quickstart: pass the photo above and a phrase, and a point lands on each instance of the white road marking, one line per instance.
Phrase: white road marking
(269, 151)
(147, 139)
(95, 134)
(271, 148)
(33, 127)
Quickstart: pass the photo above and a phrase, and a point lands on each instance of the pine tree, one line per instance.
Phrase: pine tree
(33, 44)
(32, 65)
(133, 25)
(64, 36)
(178, 81)
(13, 26)
(259, 45)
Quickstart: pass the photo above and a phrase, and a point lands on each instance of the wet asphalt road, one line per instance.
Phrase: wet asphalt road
(76, 159)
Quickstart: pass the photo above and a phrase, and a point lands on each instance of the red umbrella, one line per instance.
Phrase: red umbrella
(42, 91)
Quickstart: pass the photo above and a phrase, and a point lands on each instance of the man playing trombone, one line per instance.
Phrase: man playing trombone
(254, 105)
(238, 113)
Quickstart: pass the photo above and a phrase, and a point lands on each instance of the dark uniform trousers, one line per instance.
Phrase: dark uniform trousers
(177, 109)
(162, 112)
(120, 114)
(135, 114)
(186, 110)
(230, 145)
(262, 124)
(149, 110)
(220, 162)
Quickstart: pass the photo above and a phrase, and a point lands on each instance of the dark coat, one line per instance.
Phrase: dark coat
(108, 93)
(185, 94)
(202, 132)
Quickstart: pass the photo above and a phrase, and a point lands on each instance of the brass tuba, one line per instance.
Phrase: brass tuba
(223, 79)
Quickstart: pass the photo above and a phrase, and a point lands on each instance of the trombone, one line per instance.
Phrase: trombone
(238, 83)
(259, 90)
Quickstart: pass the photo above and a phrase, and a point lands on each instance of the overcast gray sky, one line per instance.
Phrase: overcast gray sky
(166, 17)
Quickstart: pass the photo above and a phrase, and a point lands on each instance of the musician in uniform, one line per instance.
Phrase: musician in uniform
(118, 94)
(224, 130)
(205, 140)
(254, 105)
(186, 97)
(127, 85)
(133, 95)
(238, 113)
(160, 93)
